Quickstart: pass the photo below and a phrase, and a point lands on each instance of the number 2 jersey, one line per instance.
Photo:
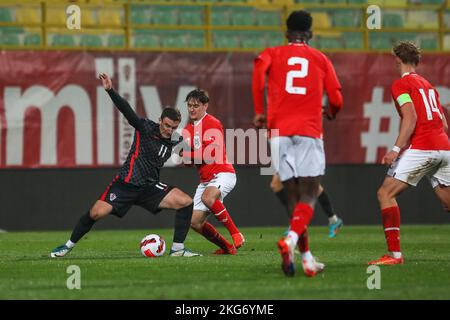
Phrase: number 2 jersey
(204, 138)
(297, 76)
(429, 132)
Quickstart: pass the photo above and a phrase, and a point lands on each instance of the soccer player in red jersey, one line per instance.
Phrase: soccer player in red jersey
(423, 133)
(204, 137)
(297, 75)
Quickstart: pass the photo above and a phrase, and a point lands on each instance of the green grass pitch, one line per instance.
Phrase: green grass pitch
(112, 267)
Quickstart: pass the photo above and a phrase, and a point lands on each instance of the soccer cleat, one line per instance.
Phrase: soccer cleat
(184, 253)
(286, 250)
(312, 267)
(387, 260)
(333, 228)
(60, 251)
(231, 250)
(238, 240)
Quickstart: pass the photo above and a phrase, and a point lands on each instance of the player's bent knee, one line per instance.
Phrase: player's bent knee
(208, 200)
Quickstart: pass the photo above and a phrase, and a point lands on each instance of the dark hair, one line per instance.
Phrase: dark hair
(408, 52)
(171, 113)
(299, 25)
(199, 95)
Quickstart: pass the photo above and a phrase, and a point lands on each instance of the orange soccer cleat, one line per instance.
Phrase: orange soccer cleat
(387, 260)
(286, 249)
(231, 250)
(238, 240)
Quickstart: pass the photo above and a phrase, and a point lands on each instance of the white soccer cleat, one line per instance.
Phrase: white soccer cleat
(184, 253)
(311, 267)
(60, 251)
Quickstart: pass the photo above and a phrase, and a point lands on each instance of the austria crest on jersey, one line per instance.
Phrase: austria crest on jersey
(197, 142)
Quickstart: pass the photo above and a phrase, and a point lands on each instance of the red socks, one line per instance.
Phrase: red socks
(210, 233)
(303, 244)
(301, 218)
(391, 224)
(221, 213)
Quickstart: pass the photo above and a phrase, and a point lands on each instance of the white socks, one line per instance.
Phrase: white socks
(307, 256)
(293, 236)
(177, 246)
(333, 219)
(70, 244)
(396, 255)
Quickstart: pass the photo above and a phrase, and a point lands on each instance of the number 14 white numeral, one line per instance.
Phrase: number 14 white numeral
(430, 103)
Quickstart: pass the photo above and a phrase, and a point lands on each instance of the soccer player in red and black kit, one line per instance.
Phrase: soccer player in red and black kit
(297, 75)
(204, 138)
(423, 134)
(137, 182)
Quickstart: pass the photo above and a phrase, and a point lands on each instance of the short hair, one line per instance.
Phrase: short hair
(408, 52)
(171, 113)
(199, 95)
(299, 21)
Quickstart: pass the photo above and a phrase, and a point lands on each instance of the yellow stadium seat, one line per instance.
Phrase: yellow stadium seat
(110, 17)
(28, 15)
(87, 17)
(56, 15)
(421, 19)
(321, 20)
(447, 42)
(397, 3)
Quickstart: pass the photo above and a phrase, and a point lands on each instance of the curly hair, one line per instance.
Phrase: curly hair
(408, 52)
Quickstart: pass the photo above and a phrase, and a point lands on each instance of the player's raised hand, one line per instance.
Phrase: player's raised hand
(389, 158)
(259, 121)
(106, 81)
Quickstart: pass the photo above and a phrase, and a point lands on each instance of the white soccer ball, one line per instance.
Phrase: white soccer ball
(153, 246)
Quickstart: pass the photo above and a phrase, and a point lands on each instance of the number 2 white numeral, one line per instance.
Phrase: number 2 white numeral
(291, 75)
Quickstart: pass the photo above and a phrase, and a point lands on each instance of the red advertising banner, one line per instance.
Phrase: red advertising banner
(55, 113)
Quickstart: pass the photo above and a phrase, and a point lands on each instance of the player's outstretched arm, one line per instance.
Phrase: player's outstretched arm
(121, 104)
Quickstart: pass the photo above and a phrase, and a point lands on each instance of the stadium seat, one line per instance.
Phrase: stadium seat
(392, 20)
(335, 1)
(196, 39)
(224, 40)
(321, 20)
(357, 1)
(330, 43)
(268, 18)
(110, 17)
(28, 15)
(171, 39)
(275, 39)
(56, 15)
(346, 18)
(380, 41)
(87, 18)
(32, 39)
(116, 40)
(429, 44)
(146, 41)
(220, 16)
(242, 16)
(11, 30)
(9, 39)
(252, 40)
(308, 1)
(5, 15)
(138, 15)
(422, 19)
(353, 40)
(90, 41)
(163, 15)
(63, 40)
(192, 16)
(447, 42)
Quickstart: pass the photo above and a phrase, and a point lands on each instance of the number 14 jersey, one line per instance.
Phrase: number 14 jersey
(429, 132)
(297, 77)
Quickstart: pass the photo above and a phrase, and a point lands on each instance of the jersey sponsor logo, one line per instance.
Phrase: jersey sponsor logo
(112, 196)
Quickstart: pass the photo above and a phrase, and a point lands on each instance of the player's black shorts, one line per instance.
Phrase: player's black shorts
(122, 196)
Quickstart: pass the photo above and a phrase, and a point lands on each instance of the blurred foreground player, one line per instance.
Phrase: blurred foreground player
(423, 132)
(205, 140)
(297, 75)
(137, 182)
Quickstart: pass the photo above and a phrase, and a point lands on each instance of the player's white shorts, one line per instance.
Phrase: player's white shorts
(224, 181)
(298, 156)
(413, 165)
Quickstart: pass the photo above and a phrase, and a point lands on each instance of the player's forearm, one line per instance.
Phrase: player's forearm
(336, 101)
(258, 85)
(125, 108)
(407, 126)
